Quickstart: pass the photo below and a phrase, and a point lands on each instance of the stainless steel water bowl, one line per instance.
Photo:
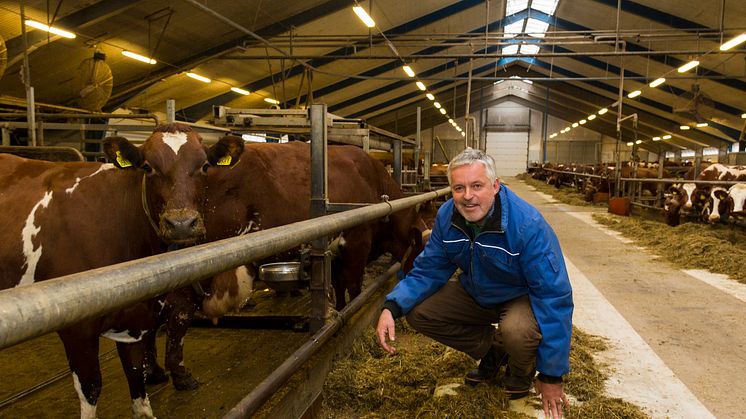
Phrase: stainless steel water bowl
(282, 276)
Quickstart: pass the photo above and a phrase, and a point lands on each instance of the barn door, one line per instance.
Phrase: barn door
(510, 151)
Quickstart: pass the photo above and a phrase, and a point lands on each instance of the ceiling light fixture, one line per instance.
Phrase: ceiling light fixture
(591, 117)
(272, 101)
(138, 57)
(603, 111)
(51, 29)
(634, 94)
(443, 111)
(195, 76)
(656, 138)
(364, 16)
(575, 125)
(421, 85)
(702, 124)
(240, 91)
(407, 69)
(430, 96)
(657, 82)
(688, 66)
(630, 144)
(743, 115)
(733, 42)
(638, 142)
(437, 105)
(666, 137)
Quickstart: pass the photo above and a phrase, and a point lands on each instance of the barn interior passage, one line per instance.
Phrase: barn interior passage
(640, 101)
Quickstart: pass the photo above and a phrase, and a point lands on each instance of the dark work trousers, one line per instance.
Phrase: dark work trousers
(453, 318)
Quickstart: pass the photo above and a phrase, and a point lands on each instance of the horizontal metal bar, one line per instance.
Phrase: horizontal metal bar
(494, 56)
(33, 310)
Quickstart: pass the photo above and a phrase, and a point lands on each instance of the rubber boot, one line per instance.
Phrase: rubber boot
(517, 386)
(488, 367)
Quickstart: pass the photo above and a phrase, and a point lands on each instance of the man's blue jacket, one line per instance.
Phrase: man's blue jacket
(516, 253)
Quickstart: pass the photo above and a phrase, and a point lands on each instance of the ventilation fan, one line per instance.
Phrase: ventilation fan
(3, 57)
(694, 105)
(93, 82)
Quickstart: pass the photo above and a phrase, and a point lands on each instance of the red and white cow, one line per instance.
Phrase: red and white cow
(718, 205)
(728, 206)
(271, 186)
(80, 216)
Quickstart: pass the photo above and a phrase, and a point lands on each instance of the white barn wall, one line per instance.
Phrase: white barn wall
(579, 145)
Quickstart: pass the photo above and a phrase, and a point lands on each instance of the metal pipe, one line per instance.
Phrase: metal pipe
(418, 141)
(469, 135)
(491, 56)
(85, 115)
(26, 73)
(320, 260)
(262, 392)
(33, 310)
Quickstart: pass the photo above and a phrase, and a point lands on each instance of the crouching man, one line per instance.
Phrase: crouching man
(512, 274)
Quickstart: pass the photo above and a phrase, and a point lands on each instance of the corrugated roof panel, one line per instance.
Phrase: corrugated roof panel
(514, 28)
(536, 28)
(546, 6)
(515, 6)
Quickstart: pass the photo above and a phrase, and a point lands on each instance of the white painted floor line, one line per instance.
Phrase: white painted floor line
(721, 282)
(638, 375)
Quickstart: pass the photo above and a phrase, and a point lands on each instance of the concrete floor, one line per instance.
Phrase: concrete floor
(677, 337)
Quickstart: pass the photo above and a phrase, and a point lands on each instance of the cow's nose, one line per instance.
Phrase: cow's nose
(182, 225)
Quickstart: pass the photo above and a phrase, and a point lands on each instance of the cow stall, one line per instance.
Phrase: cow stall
(198, 262)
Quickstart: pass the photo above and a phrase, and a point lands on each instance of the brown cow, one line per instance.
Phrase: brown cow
(80, 216)
(271, 186)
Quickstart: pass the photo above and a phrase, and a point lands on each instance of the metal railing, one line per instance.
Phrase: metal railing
(30, 311)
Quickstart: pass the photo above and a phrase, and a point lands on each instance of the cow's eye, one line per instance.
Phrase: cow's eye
(147, 168)
(205, 167)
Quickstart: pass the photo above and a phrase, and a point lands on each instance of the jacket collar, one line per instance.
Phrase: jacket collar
(492, 224)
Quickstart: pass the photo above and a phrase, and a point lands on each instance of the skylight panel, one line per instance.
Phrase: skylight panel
(515, 6)
(510, 49)
(529, 49)
(513, 29)
(546, 6)
(536, 28)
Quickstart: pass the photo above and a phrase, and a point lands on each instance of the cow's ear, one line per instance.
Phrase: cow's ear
(123, 153)
(226, 152)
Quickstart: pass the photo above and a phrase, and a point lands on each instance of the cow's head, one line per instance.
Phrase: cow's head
(175, 164)
(718, 205)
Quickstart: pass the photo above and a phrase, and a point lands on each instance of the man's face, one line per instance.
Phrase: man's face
(473, 192)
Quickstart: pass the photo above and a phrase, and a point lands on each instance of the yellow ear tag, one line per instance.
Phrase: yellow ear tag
(225, 161)
(122, 161)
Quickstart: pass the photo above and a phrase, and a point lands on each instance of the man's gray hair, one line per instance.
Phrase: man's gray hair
(471, 156)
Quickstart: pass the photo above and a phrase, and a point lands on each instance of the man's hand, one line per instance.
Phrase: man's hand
(553, 397)
(385, 329)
